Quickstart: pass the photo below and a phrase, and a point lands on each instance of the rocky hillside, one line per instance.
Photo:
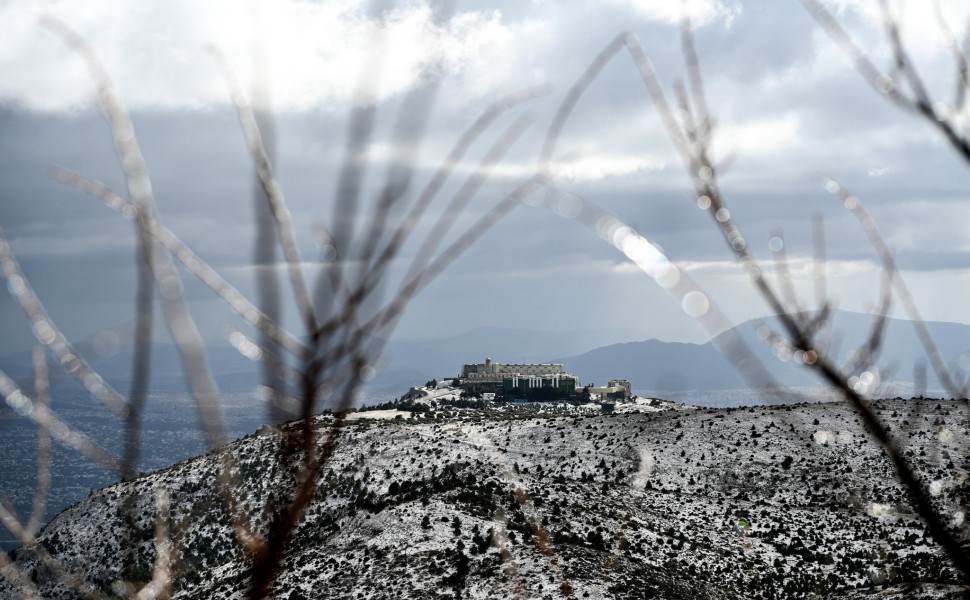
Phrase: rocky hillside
(530, 502)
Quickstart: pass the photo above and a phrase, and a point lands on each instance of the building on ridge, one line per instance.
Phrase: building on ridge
(533, 381)
(617, 389)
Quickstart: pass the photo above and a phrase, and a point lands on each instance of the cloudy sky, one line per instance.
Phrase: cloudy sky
(787, 103)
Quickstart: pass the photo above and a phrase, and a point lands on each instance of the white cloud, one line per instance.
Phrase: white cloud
(801, 268)
(595, 168)
(763, 137)
(700, 12)
(592, 168)
(314, 53)
(586, 169)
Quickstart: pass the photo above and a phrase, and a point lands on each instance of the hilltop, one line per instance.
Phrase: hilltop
(538, 502)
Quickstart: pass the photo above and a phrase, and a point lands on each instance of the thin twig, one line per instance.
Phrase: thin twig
(465, 193)
(820, 281)
(705, 124)
(411, 122)
(920, 101)
(48, 334)
(882, 84)
(180, 322)
(434, 185)
(25, 586)
(854, 205)
(273, 192)
(179, 319)
(865, 355)
(58, 568)
(961, 79)
(43, 402)
(704, 180)
(784, 275)
(268, 293)
(160, 587)
(45, 417)
(141, 361)
(190, 260)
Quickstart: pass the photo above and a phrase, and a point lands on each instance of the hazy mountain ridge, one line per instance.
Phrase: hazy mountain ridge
(406, 362)
(657, 366)
(635, 506)
(652, 366)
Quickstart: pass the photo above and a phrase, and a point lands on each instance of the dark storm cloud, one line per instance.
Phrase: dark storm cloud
(784, 99)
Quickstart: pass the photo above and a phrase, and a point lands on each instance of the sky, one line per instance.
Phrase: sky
(787, 103)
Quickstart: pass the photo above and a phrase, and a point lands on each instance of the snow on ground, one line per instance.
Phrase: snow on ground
(379, 414)
(488, 504)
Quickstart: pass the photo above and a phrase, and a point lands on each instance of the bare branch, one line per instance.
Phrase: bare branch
(272, 190)
(962, 78)
(818, 242)
(190, 260)
(444, 170)
(44, 417)
(574, 94)
(920, 102)
(26, 587)
(473, 233)
(180, 323)
(160, 587)
(902, 290)
(48, 334)
(784, 275)
(179, 319)
(705, 124)
(704, 180)
(865, 355)
(409, 127)
(879, 82)
(347, 202)
(42, 391)
(902, 63)
(464, 195)
(30, 543)
(268, 293)
(141, 361)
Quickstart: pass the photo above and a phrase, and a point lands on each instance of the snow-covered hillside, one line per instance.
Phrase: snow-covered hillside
(762, 502)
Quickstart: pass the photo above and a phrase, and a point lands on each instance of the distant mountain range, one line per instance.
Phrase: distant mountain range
(678, 369)
(672, 367)
(652, 366)
(405, 362)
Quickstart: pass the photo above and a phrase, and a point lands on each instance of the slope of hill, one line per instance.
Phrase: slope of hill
(534, 502)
